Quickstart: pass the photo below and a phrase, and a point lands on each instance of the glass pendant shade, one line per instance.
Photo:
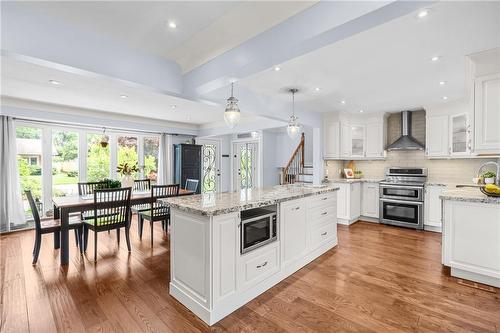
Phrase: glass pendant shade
(232, 113)
(293, 129)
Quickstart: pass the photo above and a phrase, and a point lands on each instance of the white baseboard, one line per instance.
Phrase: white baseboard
(491, 281)
(433, 228)
(369, 219)
(346, 221)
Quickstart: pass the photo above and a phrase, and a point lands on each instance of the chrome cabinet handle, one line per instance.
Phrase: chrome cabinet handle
(324, 234)
(324, 198)
(262, 265)
(296, 208)
(324, 213)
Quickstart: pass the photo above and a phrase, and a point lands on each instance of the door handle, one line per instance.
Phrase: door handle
(262, 265)
(324, 213)
(324, 234)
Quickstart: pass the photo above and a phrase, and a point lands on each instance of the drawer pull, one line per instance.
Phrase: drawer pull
(324, 213)
(262, 265)
(324, 234)
(296, 208)
(324, 198)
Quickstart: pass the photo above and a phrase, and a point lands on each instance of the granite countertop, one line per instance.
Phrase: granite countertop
(469, 195)
(352, 180)
(222, 203)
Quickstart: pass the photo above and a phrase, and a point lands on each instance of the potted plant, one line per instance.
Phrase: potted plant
(489, 177)
(358, 174)
(126, 171)
(111, 183)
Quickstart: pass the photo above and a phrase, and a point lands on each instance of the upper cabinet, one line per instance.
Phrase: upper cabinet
(487, 114)
(460, 138)
(354, 138)
(436, 136)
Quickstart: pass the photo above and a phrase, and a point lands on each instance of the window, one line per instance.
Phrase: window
(29, 146)
(127, 151)
(98, 158)
(64, 163)
(151, 151)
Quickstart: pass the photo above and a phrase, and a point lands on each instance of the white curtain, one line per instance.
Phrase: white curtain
(11, 205)
(165, 160)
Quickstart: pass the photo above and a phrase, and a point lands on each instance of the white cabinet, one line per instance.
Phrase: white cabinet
(345, 141)
(460, 140)
(331, 139)
(370, 200)
(348, 202)
(432, 210)
(374, 140)
(487, 114)
(436, 136)
(293, 216)
(321, 220)
(357, 141)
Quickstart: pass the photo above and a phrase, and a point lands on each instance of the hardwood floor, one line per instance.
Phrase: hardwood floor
(379, 279)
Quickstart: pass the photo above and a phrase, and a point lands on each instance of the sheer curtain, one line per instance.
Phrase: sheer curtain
(165, 160)
(11, 207)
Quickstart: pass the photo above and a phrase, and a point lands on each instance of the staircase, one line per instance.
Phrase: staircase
(296, 171)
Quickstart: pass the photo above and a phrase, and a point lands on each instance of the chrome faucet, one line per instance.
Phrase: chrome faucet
(497, 182)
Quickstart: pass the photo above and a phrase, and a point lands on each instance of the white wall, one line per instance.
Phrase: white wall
(270, 173)
(285, 147)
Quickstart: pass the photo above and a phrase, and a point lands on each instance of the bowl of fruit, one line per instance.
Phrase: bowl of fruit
(490, 190)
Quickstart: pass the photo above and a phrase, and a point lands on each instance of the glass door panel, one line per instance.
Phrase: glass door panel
(64, 163)
(245, 165)
(209, 168)
(29, 162)
(358, 140)
(127, 152)
(151, 151)
(98, 158)
(459, 134)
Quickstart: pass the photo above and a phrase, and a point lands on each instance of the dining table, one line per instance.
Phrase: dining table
(64, 206)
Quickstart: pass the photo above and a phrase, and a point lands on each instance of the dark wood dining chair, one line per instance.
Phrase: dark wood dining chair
(191, 184)
(157, 211)
(51, 226)
(88, 188)
(141, 185)
(111, 211)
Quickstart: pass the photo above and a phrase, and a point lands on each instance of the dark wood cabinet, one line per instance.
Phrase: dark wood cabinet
(187, 162)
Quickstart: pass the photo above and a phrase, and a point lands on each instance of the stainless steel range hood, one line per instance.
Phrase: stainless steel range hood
(406, 141)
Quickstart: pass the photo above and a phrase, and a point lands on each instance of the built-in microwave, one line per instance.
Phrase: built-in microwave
(258, 228)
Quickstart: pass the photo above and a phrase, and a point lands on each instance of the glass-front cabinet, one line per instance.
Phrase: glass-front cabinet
(459, 135)
(357, 140)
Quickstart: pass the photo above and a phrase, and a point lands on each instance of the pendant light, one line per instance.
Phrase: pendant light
(293, 128)
(232, 113)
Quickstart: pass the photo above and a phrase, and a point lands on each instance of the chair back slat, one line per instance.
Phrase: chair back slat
(162, 191)
(89, 187)
(34, 210)
(112, 206)
(142, 185)
(192, 184)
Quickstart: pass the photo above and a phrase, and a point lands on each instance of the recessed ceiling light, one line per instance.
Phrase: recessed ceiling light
(173, 106)
(361, 111)
(277, 69)
(342, 102)
(188, 118)
(445, 98)
(423, 13)
(124, 96)
(172, 25)
(317, 89)
(442, 83)
(54, 82)
(435, 58)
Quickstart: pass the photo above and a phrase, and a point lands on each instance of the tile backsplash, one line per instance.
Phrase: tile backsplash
(452, 171)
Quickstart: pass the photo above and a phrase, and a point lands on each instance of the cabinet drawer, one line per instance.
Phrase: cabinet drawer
(260, 266)
(320, 235)
(319, 213)
(321, 200)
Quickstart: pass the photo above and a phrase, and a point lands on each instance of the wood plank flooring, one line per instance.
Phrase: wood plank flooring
(379, 279)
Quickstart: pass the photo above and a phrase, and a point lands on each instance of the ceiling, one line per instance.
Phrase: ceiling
(205, 29)
(30, 81)
(388, 68)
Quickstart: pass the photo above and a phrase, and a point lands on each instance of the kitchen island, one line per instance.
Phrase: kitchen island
(212, 271)
(471, 235)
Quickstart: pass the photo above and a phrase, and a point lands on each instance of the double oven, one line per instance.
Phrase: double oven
(402, 197)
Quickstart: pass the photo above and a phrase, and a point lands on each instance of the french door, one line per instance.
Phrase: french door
(210, 165)
(245, 165)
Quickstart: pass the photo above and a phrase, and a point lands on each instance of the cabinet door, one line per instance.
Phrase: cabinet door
(370, 200)
(436, 136)
(293, 226)
(375, 140)
(358, 140)
(343, 201)
(487, 114)
(433, 206)
(332, 139)
(459, 135)
(345, 141)
(355, 200)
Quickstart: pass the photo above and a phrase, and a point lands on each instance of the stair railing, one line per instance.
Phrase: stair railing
(295, 166)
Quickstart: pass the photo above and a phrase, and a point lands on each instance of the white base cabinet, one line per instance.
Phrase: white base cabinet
(210, 276)
(370, 200)
(433, 207)
(471, 241)
(348, 202)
